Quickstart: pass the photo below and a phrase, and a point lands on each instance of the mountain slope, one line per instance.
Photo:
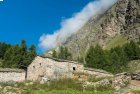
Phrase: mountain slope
(121, 23)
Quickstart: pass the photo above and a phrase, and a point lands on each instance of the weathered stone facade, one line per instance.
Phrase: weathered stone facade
(44, 69)
(15, 75)
(47, 68)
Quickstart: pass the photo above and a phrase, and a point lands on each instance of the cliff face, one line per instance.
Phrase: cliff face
(118, 25)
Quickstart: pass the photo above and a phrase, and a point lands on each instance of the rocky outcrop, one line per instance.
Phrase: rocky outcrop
(123, 83)
(121, 80)
(117, 82)
(136, 76)
(122, 19)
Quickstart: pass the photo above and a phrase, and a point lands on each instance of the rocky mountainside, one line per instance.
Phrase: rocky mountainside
(117, 26)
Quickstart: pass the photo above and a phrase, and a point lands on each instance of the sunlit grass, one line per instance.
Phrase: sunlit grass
(64, 86)
(117, 41)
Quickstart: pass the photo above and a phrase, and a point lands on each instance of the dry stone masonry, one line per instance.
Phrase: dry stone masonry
(15, 75)
(44, 69)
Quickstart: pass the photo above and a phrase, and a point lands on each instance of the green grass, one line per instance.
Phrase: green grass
(135, 89)
(117, 41)
(59, 87)
(64, 87)
(133, 66)
(70, 91)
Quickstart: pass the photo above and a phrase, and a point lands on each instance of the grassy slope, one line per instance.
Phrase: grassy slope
(134, 66)
(117, 41)
(70, 91)
(63, 87)
(58, 87)
(120, 40)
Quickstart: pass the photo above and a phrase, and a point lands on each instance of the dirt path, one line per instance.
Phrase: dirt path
(135, 83)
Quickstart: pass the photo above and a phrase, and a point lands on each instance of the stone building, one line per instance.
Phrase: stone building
(45, 68)
(16, 75)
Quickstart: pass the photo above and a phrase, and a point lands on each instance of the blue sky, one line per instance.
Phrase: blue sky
(29, 19)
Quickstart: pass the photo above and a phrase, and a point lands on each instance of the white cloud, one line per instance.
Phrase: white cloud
(73, 24)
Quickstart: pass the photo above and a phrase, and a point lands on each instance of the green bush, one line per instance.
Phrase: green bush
(114, 60)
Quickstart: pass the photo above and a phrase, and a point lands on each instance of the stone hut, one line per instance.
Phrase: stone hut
(46, 68)
(7, 74)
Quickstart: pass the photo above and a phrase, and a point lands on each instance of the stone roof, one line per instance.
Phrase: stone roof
(11, 70)
(60, 60)
(97, 70)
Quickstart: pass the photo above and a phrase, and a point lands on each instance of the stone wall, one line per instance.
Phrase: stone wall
(17, 76)
(97, 73)
(90, 73)
(44, 69)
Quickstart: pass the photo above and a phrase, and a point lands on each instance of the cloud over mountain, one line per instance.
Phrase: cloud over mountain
(72, 25)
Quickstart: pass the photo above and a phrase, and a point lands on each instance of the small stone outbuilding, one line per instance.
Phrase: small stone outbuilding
(44, 68)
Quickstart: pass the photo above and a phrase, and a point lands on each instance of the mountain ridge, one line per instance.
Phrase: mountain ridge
(123, 19)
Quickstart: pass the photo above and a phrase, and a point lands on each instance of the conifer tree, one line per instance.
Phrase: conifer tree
(132, 50)
(115, 62)
(3, 48)
(23, 47)
(64, 53)
(54, 54)
(95, 57)
(18, 55)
